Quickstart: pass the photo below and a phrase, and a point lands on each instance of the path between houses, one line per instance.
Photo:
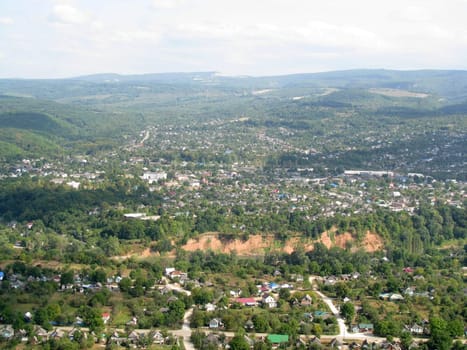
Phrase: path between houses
(343, 332)
(185, 332)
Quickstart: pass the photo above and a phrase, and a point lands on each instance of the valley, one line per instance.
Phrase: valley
(193, 209)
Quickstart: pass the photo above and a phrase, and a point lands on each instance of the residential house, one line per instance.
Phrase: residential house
(297, 278)
(76, 331)
(391, 296)
(320, 313)
(300, 344)
(235, 293)
(335, 344)
(7, 332)
(215, 323)
(363, 328)
(396, 297)
(157, 338)
(306, 300)
(213, 340)
(57, 334)
(105, 317)
(178, 275)
(115, 338)
(315, 340)
(269, 301)
(172, 299)
(78, 321)
(40, 332)
(247, 301)
(273, 286)
(169, 270)
(133, 322)
(390, 346)
(133, 337)
(23, 335)
(415, 329)
(210, 307)
(354, 346)
(278, 339)
(151, 177)
(249, 325)
(330, 281)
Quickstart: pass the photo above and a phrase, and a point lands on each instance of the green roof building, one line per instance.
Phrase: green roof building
(278, 338)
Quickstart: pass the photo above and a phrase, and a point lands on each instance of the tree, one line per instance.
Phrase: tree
(388, 327)
(98, 275)
(458, 345)
(239, 342)
(41, 317)
(284, 294)
(67, 278)
(261, 323)
(348, 311)
(197, 338)
(202, 296)
(439, 338)
(92, 317)
(197, 318)
(263, 345)
(53, 311)
(406, 340)
(125, 284)
(456, 327)
(342, 290)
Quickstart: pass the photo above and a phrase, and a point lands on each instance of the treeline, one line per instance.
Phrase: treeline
(92, 216)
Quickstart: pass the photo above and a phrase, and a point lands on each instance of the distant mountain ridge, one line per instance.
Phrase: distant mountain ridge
(159, 77)
(447, 83)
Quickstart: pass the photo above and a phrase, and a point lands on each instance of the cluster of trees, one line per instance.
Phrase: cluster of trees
(64, 211)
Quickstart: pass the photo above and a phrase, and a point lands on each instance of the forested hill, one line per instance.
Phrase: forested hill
(412, 121)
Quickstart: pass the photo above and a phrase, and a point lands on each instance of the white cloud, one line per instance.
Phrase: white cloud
(166, 4)
(65, 13)
(129, 36)
(415, 14)
(241, 36)
(315, 33)
(6, 20)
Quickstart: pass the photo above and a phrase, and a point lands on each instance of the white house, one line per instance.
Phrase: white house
(416, 329)
(151, 177)
(210, 307)
(269, 301)
(215, 323)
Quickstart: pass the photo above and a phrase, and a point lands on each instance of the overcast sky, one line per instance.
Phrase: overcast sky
(63, 38)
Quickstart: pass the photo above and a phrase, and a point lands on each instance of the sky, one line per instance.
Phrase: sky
(65, 38)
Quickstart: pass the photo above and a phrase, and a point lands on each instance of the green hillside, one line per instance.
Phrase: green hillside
(24, 143)
(33, 121)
